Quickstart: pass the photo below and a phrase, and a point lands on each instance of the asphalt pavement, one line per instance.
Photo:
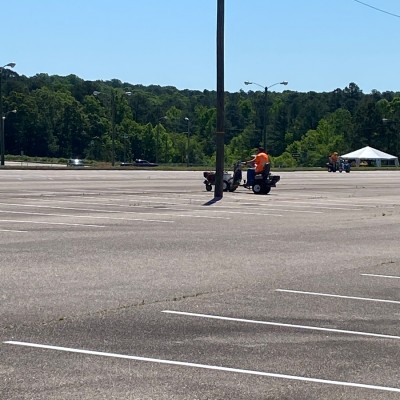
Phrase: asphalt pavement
(139, 285)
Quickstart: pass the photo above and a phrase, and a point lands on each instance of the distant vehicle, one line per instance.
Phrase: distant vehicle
(143, 163)
(75, 162)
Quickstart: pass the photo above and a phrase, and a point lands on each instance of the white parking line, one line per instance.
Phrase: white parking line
(176, 209)
(12, 230)
(49, 223)
(110, 211)
(205, 366)
(338, 296)
(382, 276)
(325, 204)
(312, 328)
(87, 216)
(219, 210)
(217, 207)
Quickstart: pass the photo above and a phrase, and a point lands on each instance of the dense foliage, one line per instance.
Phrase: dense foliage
(60, 117)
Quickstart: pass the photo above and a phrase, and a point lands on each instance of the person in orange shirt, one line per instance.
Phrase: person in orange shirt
(334, 161)
(259, 160)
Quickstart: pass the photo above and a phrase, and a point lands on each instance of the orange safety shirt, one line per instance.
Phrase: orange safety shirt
(334, 157)
(260, 160)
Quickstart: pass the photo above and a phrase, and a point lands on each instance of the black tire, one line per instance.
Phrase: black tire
(257, 188)
(208, 187)
(267, 189)
(232, 186)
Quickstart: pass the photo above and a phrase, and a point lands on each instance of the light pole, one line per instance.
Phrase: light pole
(3, 118)
(158, 136)
(387, 121)
(125, 137)
(220, 125)
(265, 105)
(113, 112)
(188, 141)
(10, 65)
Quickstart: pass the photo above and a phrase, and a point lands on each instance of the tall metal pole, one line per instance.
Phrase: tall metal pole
(113, 128)
(125, 137)
(158, 140)
(264, 131)
(219, 168)
(113, 122)
(158, 152)
(2, 121)
(188, 141)
(390, 121)
(2, 145)
(265, 117)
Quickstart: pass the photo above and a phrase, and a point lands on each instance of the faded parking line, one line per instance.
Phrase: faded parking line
(12, 231)
(109, 211)
(49, 223)
(87, 216)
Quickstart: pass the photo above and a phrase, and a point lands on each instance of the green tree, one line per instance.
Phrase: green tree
(318, 144)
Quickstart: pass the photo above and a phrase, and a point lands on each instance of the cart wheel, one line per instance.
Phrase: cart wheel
(257, 188)
(267, 189)
(208, 187)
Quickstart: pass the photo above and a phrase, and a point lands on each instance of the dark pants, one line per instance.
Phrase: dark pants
(251, 173)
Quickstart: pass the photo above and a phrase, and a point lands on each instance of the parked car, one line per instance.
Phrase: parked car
(143, 163)
(75, 162)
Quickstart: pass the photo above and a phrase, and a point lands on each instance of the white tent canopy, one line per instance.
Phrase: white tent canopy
(369, 153)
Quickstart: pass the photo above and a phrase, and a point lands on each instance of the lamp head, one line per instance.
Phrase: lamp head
(186, 119)
(11, 65)
(8, 112)
(247, 83)
(96, 93)
(284, 83)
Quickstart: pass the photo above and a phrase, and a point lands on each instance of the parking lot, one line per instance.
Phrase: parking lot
(137, 285)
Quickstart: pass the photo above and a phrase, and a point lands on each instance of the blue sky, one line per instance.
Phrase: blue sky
(316, 45)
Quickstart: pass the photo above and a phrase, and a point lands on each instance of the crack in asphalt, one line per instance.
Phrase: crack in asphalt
(115, 309)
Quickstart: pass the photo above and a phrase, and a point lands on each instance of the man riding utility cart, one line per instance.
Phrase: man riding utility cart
(259, 178)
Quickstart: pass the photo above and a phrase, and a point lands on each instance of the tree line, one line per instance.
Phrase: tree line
(61, 117)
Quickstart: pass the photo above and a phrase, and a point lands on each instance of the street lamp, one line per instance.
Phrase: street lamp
(113, 112)
(265, 105)
(188, 141)
(220, 122)
(3, 118)
(387, 121)
(125, 137)
(158, 135)
(9, 65)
